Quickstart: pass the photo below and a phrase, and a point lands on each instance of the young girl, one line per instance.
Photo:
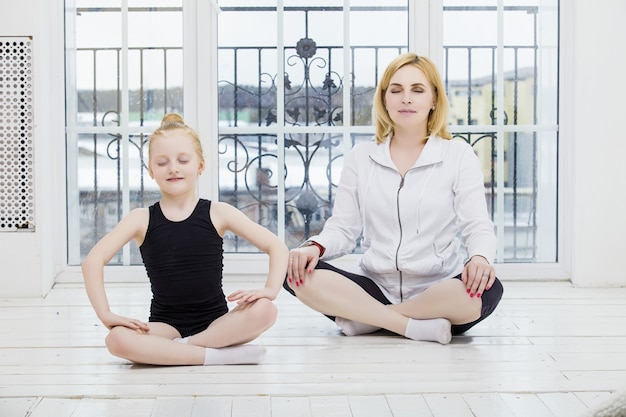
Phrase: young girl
(180, 239)
(417, 198)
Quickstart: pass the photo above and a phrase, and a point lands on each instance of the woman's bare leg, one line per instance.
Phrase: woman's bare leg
(426, 317)
(446, 299)
(331, 293)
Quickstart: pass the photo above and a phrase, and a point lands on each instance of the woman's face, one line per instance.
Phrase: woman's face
(409, 98)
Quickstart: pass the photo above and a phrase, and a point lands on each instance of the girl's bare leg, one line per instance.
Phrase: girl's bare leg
(154, 348)
(215, 345)
(242, 324)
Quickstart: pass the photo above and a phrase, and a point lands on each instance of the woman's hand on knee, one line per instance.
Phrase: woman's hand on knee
(478, 275)
(302, 262)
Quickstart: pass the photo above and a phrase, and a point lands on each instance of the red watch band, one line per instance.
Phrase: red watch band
(320, 247)
(314, 243)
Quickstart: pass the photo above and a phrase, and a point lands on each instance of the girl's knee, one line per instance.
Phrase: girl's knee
(117, 341)
(265, 311)
(114, 341)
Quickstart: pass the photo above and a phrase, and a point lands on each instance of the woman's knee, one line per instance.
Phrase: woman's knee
(287, 285)
(467, 308)
(491, 298)
(292, 286)
(314, 282)
(489, 301)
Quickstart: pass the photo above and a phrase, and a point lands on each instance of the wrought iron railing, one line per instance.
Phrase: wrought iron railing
(314, 102)
(100, 154)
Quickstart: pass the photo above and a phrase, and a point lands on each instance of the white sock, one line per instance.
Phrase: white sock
(433, 330)
(234, 355)
(184, 340)
(354, 328)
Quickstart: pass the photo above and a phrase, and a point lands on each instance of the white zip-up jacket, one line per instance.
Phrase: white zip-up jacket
(416, 229)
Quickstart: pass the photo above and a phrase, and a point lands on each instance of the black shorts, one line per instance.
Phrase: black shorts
(188, 322)
(490, 298)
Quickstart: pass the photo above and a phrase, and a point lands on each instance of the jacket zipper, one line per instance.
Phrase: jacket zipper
(400, 240)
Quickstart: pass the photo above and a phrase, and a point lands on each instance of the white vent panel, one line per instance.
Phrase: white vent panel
(17, 194)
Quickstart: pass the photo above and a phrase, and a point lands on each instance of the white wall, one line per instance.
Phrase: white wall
(593, 168)
(29, 261)
(597, 204)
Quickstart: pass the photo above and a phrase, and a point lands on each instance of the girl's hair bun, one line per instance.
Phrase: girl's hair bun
(172, 120)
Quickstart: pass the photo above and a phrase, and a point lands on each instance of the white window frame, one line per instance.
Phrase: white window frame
(200, 55)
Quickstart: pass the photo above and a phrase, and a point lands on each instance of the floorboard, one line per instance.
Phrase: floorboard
(549, 350)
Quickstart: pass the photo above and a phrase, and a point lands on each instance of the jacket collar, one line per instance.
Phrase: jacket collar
(431, 154)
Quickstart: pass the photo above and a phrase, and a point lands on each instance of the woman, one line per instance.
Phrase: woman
(180, 239)
(417, 199)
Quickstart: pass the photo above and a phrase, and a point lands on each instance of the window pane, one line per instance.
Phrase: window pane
(314, 70)
(100, 181)
(519, 70)
(247, 66)
(314, 163)
(248, 167)
(107, 149)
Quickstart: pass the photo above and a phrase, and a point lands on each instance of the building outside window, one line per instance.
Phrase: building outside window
(293, 95)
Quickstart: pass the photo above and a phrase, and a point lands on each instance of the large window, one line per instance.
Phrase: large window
(294, 93)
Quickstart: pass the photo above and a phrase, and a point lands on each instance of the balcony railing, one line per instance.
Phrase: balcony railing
(314, 133)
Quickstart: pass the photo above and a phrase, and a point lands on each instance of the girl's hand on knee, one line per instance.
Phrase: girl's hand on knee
(249, 296)
(478, 276)
(111, 320)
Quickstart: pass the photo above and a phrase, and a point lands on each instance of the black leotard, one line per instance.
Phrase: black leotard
(184, 262)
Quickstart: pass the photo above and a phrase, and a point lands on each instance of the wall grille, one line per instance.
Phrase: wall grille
(17, 194)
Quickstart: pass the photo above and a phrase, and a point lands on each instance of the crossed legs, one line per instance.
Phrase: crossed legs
(221, 343)
(429, 316)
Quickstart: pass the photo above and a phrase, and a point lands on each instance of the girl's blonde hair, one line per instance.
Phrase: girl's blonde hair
(171, 122)
(437, 119)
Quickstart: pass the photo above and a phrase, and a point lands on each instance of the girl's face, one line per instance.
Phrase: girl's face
(409, 98)
(174, 163)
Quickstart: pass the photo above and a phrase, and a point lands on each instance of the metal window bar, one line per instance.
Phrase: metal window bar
(105, 108)
(252, 145)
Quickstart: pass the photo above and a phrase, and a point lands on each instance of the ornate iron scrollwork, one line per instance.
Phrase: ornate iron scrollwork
(310, 101)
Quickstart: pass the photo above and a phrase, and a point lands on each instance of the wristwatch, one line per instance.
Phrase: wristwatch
(314, 243)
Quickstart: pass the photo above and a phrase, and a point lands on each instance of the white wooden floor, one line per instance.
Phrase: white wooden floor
(549, 350)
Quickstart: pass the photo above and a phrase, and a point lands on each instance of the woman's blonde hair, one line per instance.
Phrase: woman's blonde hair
(437, 119)
(171, 122)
